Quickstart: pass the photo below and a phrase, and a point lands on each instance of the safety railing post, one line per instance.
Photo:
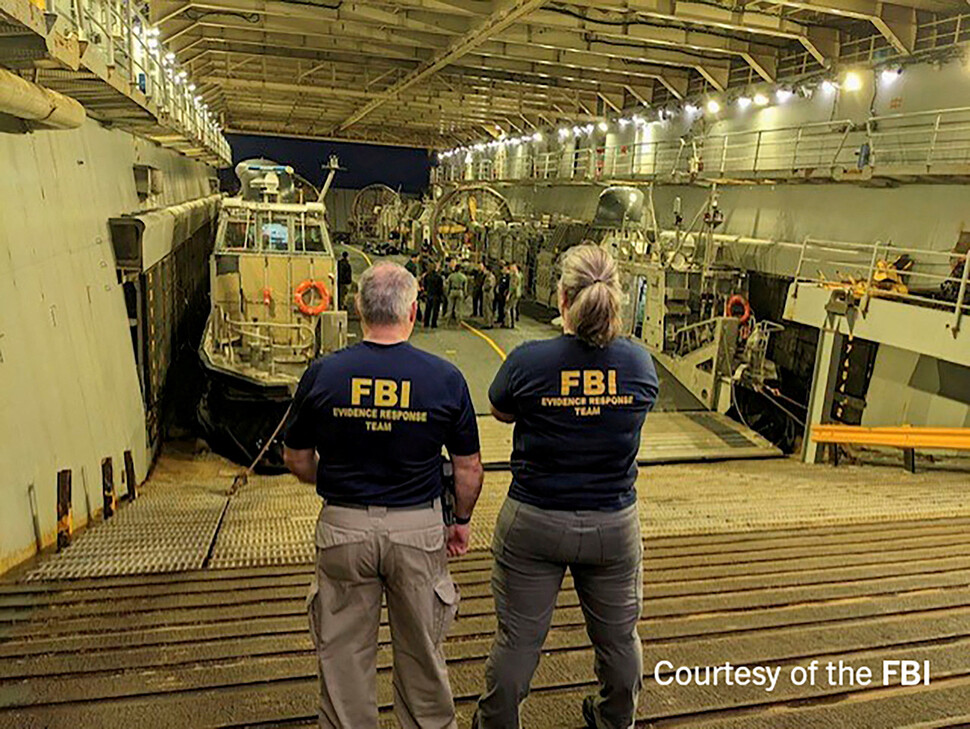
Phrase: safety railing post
(798, 268)
(757, 152)
(933, 138)
(870, 276)
(794, 152)
(961, 294)
(871, 141)
(838, 150)
(79, 20)
(130, 43)
(107, 16)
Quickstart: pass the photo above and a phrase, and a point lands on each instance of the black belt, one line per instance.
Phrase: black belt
(409, 507)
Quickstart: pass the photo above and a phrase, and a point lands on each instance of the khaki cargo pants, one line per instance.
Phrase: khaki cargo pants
(510, 310)
(488, 307)
(456, 307)
(362, 556)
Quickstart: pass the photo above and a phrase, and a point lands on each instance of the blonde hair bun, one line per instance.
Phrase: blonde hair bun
(593, 309)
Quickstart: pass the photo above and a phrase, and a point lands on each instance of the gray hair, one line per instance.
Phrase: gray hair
(590, 284)
(385, 293)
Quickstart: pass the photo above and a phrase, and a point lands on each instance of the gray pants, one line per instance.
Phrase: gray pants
(532, 549)
(362, 556)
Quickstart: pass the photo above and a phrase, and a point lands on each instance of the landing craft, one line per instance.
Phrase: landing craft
(274, 307)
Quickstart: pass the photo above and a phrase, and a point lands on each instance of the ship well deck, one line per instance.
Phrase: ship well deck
(187, 607)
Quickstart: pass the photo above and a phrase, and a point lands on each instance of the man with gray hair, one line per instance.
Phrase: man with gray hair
(367, 427)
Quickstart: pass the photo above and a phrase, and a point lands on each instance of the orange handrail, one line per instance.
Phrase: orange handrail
(905, 436)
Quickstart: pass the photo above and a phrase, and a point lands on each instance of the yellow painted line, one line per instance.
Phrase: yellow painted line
(360, 253)
(491, 342)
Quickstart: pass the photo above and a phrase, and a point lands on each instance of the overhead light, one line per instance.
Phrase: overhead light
(889, 75)
(603, 126)
(191, 88)
(588, 129)
(537, 137)
(691, 109)
(828, 87)
(760, 100)
(169, 56)
(744, 102)
(853, 81)
(783, 95)
(713, 106)
(623, 123)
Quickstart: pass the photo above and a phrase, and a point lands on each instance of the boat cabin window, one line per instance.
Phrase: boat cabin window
(238, 236)
(274, 231)
(308, 237)
(275, 237)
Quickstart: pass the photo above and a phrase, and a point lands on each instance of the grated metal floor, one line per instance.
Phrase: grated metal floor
(168, 529)
(229, 647)
(268, 522)
(749, 561)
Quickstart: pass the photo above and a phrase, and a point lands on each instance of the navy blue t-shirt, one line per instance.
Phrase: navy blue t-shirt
(378, 415)
(578, 412)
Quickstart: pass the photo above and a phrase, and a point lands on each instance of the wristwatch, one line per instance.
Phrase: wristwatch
(462, 520)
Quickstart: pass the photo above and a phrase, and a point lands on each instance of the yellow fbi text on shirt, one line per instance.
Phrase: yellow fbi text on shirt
(380, 403)
(587, 392)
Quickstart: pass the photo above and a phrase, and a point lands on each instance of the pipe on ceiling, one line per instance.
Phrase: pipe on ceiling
(25, 100)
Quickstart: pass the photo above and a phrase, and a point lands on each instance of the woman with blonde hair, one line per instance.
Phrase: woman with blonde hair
(578, 402)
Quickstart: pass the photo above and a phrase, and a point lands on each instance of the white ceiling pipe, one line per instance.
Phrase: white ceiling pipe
(25, 100)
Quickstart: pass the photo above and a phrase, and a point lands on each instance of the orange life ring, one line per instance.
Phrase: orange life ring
(738, 300)
(303, 305)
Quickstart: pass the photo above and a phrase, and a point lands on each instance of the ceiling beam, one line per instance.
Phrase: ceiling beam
(711, 15)
(632, 28)
(507, 13)
(897, 23)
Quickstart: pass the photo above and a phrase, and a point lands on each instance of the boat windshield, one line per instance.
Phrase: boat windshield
(270, 231)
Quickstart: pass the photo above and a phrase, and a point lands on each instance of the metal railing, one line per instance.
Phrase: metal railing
(925, 142)
(934, 34)
(262, 340)
(130, 46)
(923, 138)
(938, 279)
